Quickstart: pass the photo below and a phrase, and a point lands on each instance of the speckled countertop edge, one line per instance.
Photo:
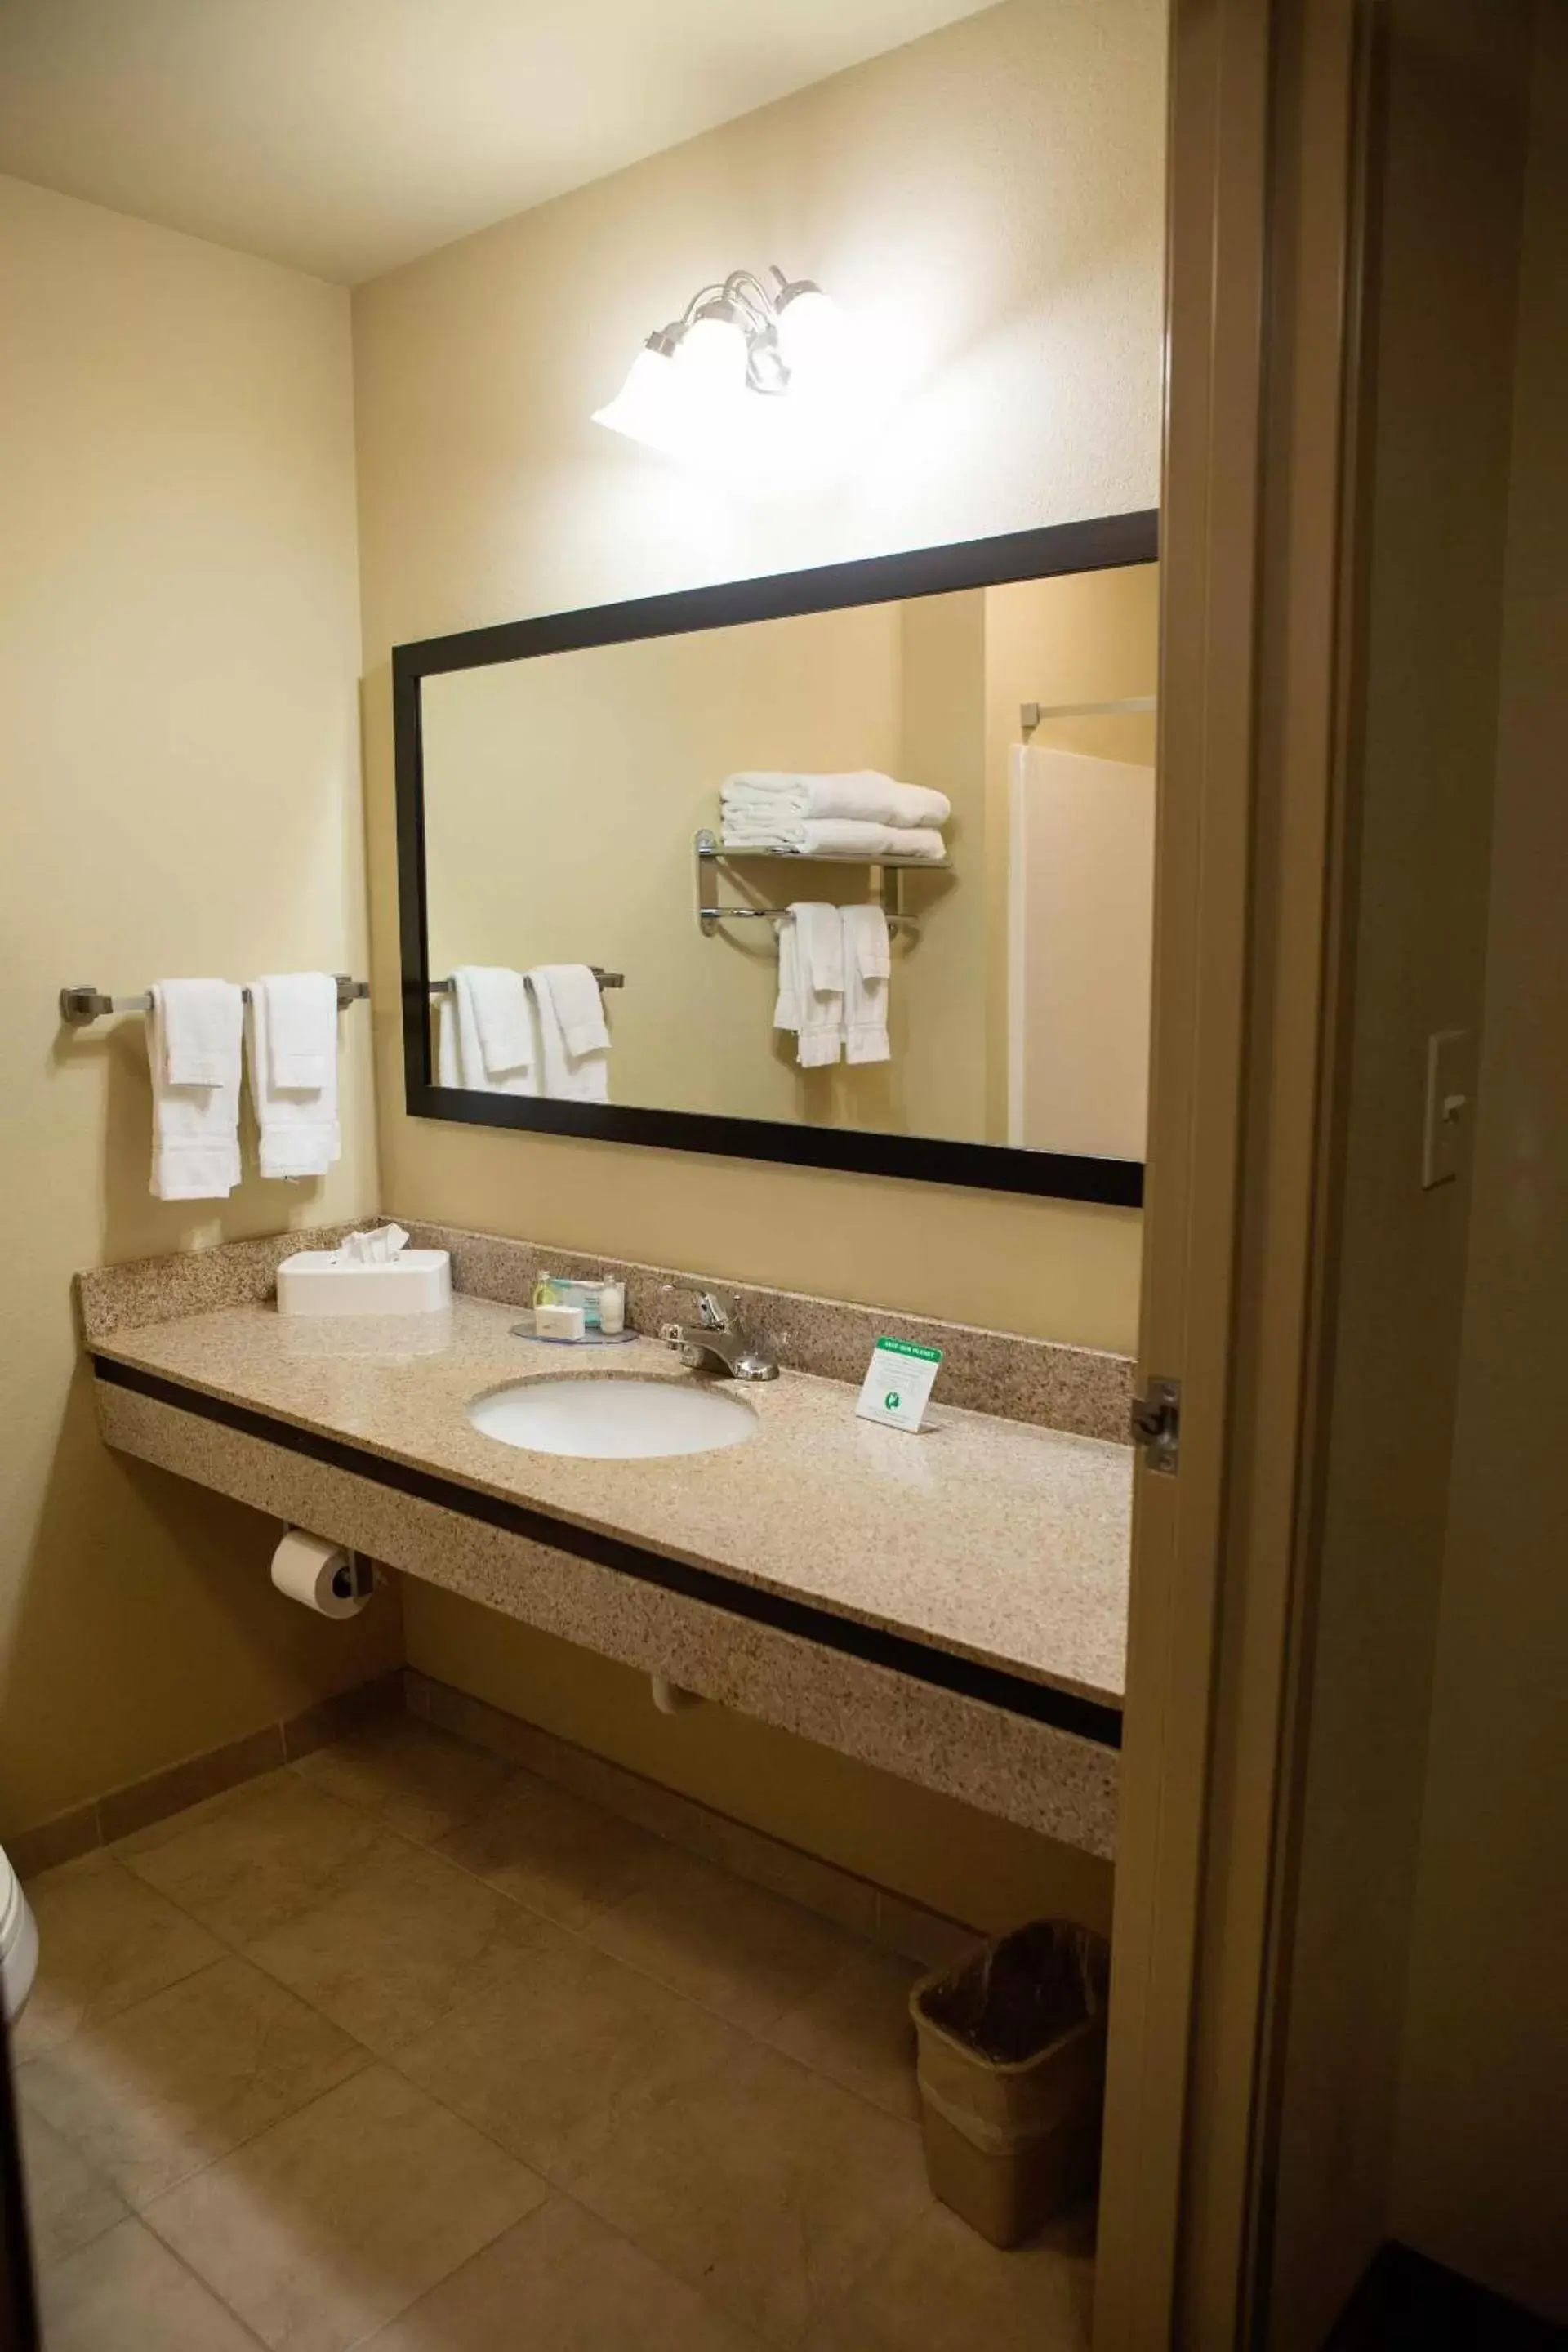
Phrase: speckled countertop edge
(991, 1538)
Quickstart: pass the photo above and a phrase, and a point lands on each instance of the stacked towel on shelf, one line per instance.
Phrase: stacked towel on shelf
(194, 1053)
(293, 1053)
(833, 964)
(861, 814)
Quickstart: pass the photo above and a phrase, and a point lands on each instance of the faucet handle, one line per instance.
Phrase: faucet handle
(716, 1309)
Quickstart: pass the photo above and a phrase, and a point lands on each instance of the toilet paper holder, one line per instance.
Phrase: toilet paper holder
(331, 1580)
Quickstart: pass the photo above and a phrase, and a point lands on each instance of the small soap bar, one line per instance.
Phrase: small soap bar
(900, 1378)
(558, 1323)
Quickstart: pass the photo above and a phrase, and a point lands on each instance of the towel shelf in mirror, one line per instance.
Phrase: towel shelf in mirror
(711, 854)
(605, 980)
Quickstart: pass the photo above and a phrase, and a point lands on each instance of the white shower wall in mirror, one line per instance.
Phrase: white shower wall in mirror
(886, 766)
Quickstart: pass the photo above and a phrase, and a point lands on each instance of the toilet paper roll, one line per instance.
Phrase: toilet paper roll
(321, 1575)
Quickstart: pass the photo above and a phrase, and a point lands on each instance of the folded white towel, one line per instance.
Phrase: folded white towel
(504, 1018)
(460, 1057)
(197, 1030)
(195, 1127)
(867, 962)
(811, 983)
(829, 837)
(301, 1027)
(862, 792)
(569, 1075)
(298, 1125)
(579, 1006)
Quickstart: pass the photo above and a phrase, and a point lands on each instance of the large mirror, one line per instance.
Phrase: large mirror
(853, 867)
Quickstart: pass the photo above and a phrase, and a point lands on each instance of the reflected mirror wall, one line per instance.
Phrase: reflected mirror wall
(562, 803)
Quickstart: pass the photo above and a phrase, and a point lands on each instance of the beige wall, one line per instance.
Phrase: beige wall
(176, 706)
(1482, 2150)
(988, 204)
(1446, 191)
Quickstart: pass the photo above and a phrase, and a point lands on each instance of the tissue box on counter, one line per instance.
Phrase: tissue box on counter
(369, 1273)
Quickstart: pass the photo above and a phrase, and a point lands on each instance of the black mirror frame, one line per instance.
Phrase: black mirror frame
(1100, 544)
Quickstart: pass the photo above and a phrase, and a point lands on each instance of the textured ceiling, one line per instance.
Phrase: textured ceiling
(345, 137)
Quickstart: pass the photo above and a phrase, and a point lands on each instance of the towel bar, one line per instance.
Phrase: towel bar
(80, 1005)
(1031, 713)
(711, 854)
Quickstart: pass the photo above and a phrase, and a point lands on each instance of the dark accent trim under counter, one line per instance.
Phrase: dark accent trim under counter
(900, 1653)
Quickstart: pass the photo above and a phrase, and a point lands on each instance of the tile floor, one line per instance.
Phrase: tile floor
(401, 2047)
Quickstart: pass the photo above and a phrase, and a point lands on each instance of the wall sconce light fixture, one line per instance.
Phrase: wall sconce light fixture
(696, 378)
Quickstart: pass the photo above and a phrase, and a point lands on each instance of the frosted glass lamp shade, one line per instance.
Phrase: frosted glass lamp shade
(712, 354)
(810, 331)
(652, 404)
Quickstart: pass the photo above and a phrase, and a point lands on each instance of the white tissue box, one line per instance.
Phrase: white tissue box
(324, 1282)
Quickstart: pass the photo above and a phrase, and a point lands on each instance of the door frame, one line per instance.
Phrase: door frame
(1265, 142)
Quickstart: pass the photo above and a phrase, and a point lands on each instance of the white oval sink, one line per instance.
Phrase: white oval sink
(613, 1420)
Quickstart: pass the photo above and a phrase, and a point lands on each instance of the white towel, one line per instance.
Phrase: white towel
(569, 1077)
(302, 1028)
(299, 1133)
(867, 962)
(197, 1032)
(861, 793)
(829, 837)
(461, 1058)
(502, 1017)
(579, 1006)
(195, 1128)
(811, 982)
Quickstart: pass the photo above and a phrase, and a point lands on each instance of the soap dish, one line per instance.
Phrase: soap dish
(525, 1331)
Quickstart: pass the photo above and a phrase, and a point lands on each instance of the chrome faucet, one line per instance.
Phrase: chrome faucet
(717, 1344)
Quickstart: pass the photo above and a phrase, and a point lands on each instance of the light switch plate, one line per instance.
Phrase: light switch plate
(1451, 1104)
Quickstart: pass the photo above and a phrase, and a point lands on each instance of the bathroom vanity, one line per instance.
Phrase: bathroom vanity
(950, 1605)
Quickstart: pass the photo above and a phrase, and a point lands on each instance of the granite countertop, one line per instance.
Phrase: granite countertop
(994, 1539)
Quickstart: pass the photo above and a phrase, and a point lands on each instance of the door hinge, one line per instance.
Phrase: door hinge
(1157, 1424)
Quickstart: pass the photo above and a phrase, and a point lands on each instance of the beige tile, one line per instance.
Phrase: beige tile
(556, 2061)
(561, 2282)
(405, 1940)
(421, 1782)
(554, 1853)
(763, 2185)
(332, 2222)
(941, 2288)
(183, 2077)
(246, 1861)
(734, 1946)
(345, 1711)
(105, 1941)
(920, 1934)
(856, 2029)
(180, 1786)
(126, 2293)
(52, 1842)
(68, 2204)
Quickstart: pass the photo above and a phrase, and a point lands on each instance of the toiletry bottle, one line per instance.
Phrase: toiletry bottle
(612, 1306)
